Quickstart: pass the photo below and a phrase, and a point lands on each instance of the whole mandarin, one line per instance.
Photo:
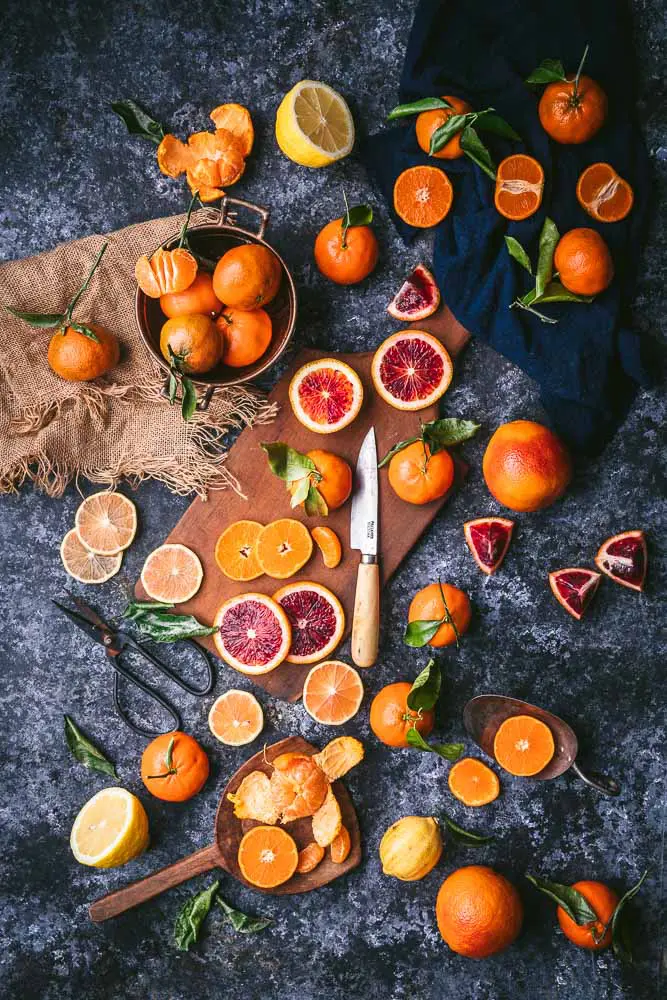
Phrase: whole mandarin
(583, 262)
(390, 717)
(525, 466)
(418, 477)
(198, 298)
(346, 259)
(428, 121)
(78, 358)
(247, 277)
(427, 605)
(194, 341)
(246, 335)
(174, 767)
(336, 483)
(572, 117)
(603, 901)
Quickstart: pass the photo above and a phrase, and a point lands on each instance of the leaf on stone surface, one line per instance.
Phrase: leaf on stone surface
(191, 917)
(86, 752)
(243, 923)
(465, 837)
(450, 751)
(620, 928)
(138, 121)
(155, 622)
(426, 688)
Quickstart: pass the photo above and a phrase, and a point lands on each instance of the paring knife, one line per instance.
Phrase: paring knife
(364, 534)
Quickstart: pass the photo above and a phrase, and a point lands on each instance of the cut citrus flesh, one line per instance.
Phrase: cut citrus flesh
(332, 693)
(172, 573)
(106, 523)
(110, 829)
(523, 745)
(329, 545)
(221, 148)
(574, 588)
(340, 756)
(84, 565)
(327, 821)
(473, 783)
(326, 395)
(165, 272)
(236, 119)
(314, 126)
(603, 194)
(236, 718)
(283, 548)
(417, 298)
(624, 559)
(309, 858)
(253, 799)
(519, 186)
(317, 619)
(488, 539)
(235, 551)
(411, 370)
(253, 634)
(267, 856)
(340, 846)
(423, 196)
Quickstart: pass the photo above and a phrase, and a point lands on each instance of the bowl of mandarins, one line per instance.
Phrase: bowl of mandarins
(220, 310)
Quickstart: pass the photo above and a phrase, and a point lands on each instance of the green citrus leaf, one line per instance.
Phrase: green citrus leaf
(191, 917)
(447, 131)
(138, 121)
(394, 450)
(426, 688)
(448, 751)
(420, 633)
(465, 837)
(287, 463)
(489, 121)
(555, 292)
(416, 107)
(85, 330)
(301, 491)
(518, 253)
(173, 387)
(43, 320)
(86, 752)
(549, 237)
(474, 148)
(620, 929)
(158, 624)
(315, 504)
(189, 400)
(549, 71)
(448, 432)
(358, 215)
(242, 922)
(569, 899)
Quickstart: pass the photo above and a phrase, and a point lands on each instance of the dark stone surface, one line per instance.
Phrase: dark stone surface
(69, 169)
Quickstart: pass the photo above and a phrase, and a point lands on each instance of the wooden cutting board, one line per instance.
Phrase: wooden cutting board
(266, 499)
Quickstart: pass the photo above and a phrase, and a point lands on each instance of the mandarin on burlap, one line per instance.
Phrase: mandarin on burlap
(118, 426)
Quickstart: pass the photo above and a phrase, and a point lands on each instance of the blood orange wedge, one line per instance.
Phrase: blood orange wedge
(574, 588)
(519, 186)
(317, 619)
(417, 298)
(235, 551)
(236, 718)
(106, 523)
(326, 395)
(267, 856)
(488, 539)
(624, 558)
(329, 545)
(423, 196)
(172, 573)
(284, 547)
(411, 370)
(332, 693)
(84, 565)
(253, 634)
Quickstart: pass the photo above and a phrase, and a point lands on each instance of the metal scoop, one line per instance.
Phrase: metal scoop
(484, 714)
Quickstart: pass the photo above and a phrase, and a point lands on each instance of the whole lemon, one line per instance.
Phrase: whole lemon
(411, 848)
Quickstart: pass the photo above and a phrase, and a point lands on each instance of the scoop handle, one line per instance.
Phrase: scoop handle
(602, 783)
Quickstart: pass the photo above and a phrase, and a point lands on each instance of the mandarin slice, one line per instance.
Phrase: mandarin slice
(309, 858)
(236, 718)
(523, 745)
(235, 551)
(283, 548)
(423, 196)
(172, 574)
(236, 119)
(267, 856)
(473, 783)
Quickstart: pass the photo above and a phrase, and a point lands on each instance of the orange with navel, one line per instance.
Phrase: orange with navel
(247, 277)
(429, 121)
(346, 256)
(479, 912)
(390, 717)
(525, 466)
(572, 111)
(78, 358)
(246, 334)
(428, 605)
(583, 262)
(174, 767)
(594, 936)
(199, 297)
(417, 476)
(192, 343)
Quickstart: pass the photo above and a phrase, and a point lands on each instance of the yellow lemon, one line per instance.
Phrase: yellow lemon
(314, 125)
(411, 848)
(110, 830)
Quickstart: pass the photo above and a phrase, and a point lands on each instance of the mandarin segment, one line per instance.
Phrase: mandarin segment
(267, 856)
(166, 271)
(340, 756)
(327, 821)
(329, 545)
(253, 799)
(341, 846)
(236, 119)
(309, 858)
(235, 551)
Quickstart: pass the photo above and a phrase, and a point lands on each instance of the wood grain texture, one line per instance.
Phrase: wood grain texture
(366, 621)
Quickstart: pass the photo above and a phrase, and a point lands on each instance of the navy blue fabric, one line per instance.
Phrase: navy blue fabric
(589, 364)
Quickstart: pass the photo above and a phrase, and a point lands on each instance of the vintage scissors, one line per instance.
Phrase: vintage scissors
(116, 641)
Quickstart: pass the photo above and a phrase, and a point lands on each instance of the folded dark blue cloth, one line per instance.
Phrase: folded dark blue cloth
(589, 364)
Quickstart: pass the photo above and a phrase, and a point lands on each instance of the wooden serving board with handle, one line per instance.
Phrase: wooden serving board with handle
(266, 498)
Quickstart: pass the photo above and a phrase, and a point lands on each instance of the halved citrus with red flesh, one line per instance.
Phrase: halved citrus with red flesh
(574, 588)
(488, 539)
(326, 395)
(624, 559)
(309, 858)
(603, 194)
(523, 745)
(235, 551)
(316, 617)
(340, 846)
(172, 573)
(329, 545)
(332, 693)
(253, 634)
(340, 756)
(411, 370)
(106, 523)
(236, 718)
(519, 186)
(423, 196)
(417, 298)
(267, 856)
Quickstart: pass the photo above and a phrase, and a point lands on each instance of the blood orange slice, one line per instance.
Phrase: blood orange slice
(332, 693)
(411, 370)
(488, 539)
(317, 620)
(326, 395)
(236, 718)
(253, 634)
(417, 298)
(624, 558)
(574, 588)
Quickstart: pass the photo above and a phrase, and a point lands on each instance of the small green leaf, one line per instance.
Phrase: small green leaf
(242, 922)
(489, 121)
(358, 215)
(86, 752)
(301, 491)
(191, 917)
(549, 71)
(569, 899)
(555, 292)
(448, 432)
(465, 837)
(447, 131)
(420, 633)
(138, 121)
(449, 751)
(315, 505)
(549, 237)
(620, 935)
(416, 107)
(86, 331)
(287, 463)
(84, 286)
(473, 147)
(136, 608)
(394, 450)
(189, 400)
(173, 387)
(426, 688)
(155, 622)
(43, 320)
(518, 253)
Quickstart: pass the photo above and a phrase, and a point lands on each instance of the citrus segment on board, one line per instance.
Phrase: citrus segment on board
(172, 574)
(411, 370)
(236, 718)
(283, 548)
(106, 523)
(267, 856)
(329, 545)
(298, 786)
(253, 634)
(327, 821)
(316, 617)
(309, 858)
(84, 565)
(417, 298)
(235, 551)
(326, 395)
(341, 846)
(332, 693)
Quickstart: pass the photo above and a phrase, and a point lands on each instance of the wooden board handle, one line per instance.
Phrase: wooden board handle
(146, 888)
(366, 621)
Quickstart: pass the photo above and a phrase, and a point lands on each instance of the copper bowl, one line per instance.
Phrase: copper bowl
(211, 241)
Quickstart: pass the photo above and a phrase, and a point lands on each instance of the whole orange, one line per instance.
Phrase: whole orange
(570, 116)
(247, 277)
(336, 482)
(193, 341)
(525, 466)
(346, 258)
(479, 912)
(78, 358)
(198, 298)
(391, 718)
(603, 901)
(583, 262)
(246, 334)
(419, 477)
(427, 605)
(174, 767)
(428, 121)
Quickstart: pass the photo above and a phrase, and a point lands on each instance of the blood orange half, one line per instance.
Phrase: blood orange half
(488, 539)
(574, 588)
(411, 370)
(326, 395)
(332, 693)
(317, 620)
(254, 633)
(624, 558)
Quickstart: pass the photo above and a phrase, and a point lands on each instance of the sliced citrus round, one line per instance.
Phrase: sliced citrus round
(411, 370)
(84, 565)
(309, 858)
(340, 846)
(603, 194)
(317, 619)
(417, 298)
(519, 186)
(339, 756)
(332, 693)
(473, 783)
(284, 547)
(172, 573)
(253, 634)
(267, 856)
(488, 539)
(624, 559)
(326, 395)
(574, 588)
(236, 119)
(523, 745)
(423, 196)
(329, 545)
(110, 830)
(106, 523)
(314, 126)
(235, 551)
(236, 718)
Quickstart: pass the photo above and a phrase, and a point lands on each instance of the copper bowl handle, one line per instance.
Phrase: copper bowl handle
(227, 215)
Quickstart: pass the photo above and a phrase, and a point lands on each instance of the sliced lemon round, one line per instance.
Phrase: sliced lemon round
(106, 523)
(110, 830)
(84, 565)
(314, 126)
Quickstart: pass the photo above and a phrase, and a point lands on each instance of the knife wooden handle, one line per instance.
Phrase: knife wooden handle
(366, 621)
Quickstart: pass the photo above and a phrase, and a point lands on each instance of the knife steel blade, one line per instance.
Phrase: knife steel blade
(364, 528)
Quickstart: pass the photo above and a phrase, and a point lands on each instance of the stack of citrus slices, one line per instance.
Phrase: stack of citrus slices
(104, 526)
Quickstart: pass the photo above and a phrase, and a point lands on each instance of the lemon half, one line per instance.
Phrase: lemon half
(314, 126)
(110, 830)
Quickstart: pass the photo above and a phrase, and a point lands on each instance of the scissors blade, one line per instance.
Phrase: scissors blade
(93, 626)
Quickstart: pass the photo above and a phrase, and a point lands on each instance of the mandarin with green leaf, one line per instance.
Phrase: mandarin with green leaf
(429, 122)
(594, 936)
(174, 767)
(346, 255)
(80, 356)
(417, 476)
(444, 603)
(191, 344)
(391, 719)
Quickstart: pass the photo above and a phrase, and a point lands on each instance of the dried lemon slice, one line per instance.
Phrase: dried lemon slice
(106, 523)
(84, 565)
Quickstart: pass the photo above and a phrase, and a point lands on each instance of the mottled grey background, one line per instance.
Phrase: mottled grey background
(70, 169)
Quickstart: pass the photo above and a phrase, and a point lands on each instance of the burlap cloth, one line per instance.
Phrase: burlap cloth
(118, 426)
